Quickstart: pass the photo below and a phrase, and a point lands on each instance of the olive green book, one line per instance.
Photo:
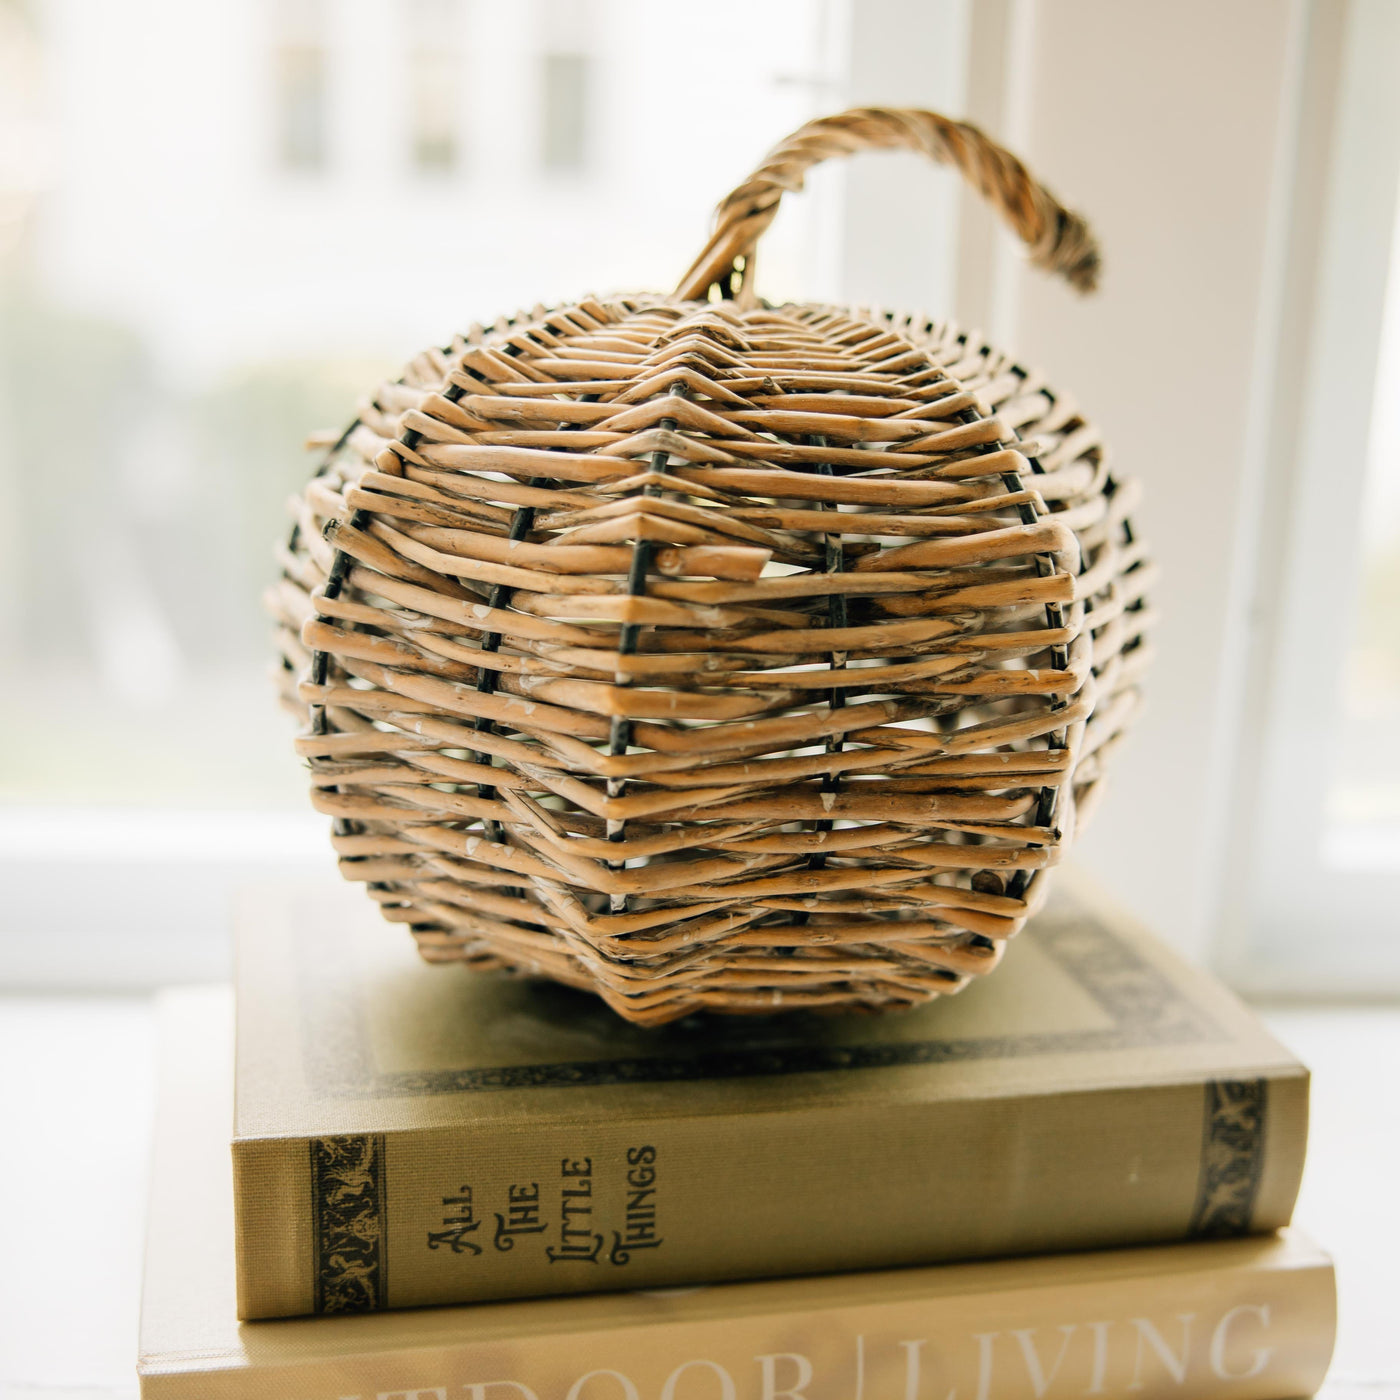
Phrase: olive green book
(1252, 1319)
(408, 1135)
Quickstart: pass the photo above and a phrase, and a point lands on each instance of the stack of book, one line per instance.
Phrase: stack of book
(1073, 1179)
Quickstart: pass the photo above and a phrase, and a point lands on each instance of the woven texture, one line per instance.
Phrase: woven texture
(713, 655)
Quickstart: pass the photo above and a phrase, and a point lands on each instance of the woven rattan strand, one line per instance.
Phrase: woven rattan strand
(714, 655)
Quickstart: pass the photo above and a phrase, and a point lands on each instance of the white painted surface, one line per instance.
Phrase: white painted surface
(77, 1094)
(1244, 192)
(1171, 145)
(106, 899)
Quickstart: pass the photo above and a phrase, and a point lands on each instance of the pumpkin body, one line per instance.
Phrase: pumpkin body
(713, 656)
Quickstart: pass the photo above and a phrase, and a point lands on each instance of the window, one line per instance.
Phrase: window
(1322, 811)
(435, 82)
(178, 315)
(300, 87)
(301, 106)
(565, 87)
(1363, 801)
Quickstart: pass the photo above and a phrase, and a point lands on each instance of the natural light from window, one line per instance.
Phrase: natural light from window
(194, 281)
(1364, 801)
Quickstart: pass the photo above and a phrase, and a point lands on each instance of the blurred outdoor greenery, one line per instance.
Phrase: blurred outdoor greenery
(138, 535)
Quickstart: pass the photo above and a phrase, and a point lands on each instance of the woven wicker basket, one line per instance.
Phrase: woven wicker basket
(716, 655)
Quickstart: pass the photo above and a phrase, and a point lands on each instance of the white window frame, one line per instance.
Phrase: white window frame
(1301, 914)
(1213, 828)
(111, 898)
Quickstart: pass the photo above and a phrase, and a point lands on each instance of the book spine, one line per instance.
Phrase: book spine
(360, 1223)
(1180, 1329)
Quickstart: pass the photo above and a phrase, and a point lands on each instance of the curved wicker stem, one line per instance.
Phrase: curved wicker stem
(1059, 239)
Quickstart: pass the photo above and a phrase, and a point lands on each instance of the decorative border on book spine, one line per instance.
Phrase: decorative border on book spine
(1232, 1157)
(350, 1268)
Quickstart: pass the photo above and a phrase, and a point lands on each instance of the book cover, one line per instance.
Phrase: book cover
(410, 1135)
(1249, 1318)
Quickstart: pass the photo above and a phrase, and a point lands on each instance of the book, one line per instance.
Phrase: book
(409, 1135)
(1250, 1318)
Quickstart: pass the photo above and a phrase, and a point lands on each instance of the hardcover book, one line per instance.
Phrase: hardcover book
(1250, 1318)
(409, 1135)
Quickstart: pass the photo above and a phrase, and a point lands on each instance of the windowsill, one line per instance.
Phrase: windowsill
(64, 834)
(123, 899)
(88, 1074)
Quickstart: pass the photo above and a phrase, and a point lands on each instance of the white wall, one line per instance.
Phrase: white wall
(1170, 126)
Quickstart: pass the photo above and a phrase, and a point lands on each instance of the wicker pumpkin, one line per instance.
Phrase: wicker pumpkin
(716, 655)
